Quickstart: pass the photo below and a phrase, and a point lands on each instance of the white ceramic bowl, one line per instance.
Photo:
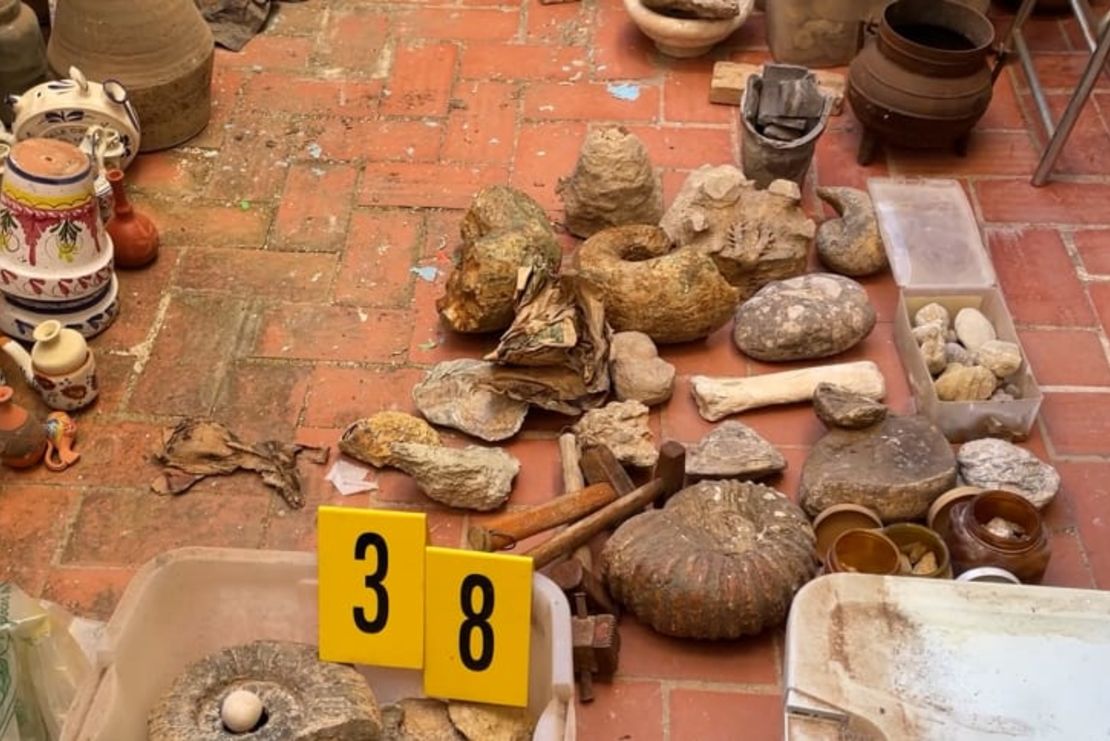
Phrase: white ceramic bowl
(685, 37)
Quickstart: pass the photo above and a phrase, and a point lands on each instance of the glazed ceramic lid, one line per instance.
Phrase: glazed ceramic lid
(58, 351)
(832, 522)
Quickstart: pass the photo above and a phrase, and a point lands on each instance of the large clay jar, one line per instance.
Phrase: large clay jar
(53, 247)
(161, 50)
(134, 236)
(22, 434)
(22, 53)
(974, 538)
(923, 80)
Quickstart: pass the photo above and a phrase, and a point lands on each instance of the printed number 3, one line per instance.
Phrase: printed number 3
(365, 542)
(476, 620)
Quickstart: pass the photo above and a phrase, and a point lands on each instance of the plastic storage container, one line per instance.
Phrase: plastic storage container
(818, 33)
(190, 602)
(936, 254)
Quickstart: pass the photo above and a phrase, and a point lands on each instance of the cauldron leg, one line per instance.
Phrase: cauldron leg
(868, 148)
(961, 144)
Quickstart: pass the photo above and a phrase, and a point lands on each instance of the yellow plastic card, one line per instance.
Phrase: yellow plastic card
(371, 586)
(478, 626)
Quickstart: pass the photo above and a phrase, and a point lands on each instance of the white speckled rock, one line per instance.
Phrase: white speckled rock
(811, 316)
(622, 426)
(936, 359)
(973, 328)
(472, 477)
(965, 383)
(240, 711)
(928, 331)
(996, 464)
(933, 312)
(1001, 357)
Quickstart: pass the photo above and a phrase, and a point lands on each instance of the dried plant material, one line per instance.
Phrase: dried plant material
(973, 328)
(621, 426)
(722, 559)
(850, 244)
(1000, 357)
(457, 394)
(613, 184)
(733, 451)
(839, 407)
(804, 318)
(637, 371)
(304, 699)
(196, 449)
(481, 722)
(895, 468)
(504, 230)
(965, 383)
(471, 478)
(930, 313)
(646, 286)
(991, 463)
(369, 440)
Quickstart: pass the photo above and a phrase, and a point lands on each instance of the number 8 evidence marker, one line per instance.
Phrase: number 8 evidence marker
(478, 626)
(370, 569)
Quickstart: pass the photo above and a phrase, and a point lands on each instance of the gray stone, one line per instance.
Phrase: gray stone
(454, 394)
(811, 316)
(850, 244)
(897, 468)
(733, 451)
(472, 477)
(997, 464)
(965, 383)
(973, 328)
(838, 407)
(637, 371)
(622, 426)
(1001, 357)
(933, 312)
(954, 352)
(480, 722)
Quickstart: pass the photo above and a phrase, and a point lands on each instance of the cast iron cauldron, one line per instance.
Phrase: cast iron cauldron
(923, 79)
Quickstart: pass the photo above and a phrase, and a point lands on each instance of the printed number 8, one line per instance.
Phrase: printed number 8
(476, 620)
(374, 582)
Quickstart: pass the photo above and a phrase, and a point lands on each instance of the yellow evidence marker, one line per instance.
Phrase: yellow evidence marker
(370, 569)
(478, 626)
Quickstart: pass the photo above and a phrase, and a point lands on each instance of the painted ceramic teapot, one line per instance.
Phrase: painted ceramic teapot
(60, 367)
(65, 109)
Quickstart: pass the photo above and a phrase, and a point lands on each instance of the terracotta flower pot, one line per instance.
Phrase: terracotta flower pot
(685, 37)
(161, 50)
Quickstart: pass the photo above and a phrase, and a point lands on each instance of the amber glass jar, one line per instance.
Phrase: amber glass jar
(972, 544)
(864, 552)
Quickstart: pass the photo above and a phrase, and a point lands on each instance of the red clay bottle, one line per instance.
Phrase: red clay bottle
(22, 434)
(134, 235)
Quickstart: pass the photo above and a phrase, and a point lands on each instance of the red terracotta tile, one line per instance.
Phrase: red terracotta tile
(716, 716)
(620, 51)
(1061, 71)
(269, 52)
(989, 153)
(458, 24)
(1066, 357)
(420, 84)
(1005, 111)
(623, 711)
(226, 84)
(835, 159)
(646, 654)
(90, 592)
(315, 207)
(546, 152)
(680, 418)
(591, 102)
(687, 147)
(716, 355)
(1077, 424)
(118, 368)
(1088, 488)
(103, 444)
(335, 333)
(254, 163)
(129, 526)
(484, 129)
(169, 174)
(686, 95)
(436, 185)
(1094, 250)
(140, 294)
(1100, 297)
(1017, 201)
(441, 235)
(541, 477)
(278, 276)
(339, 396)
(201, 223)
(33, 522)
(751, 36)
(1021, 259)
(1042, 34)
(380, 140)
(295, 19)
(561, 23)
(395, 487)
(273, 92)
(494, 61)
(262, 401)
(1068, 566)
(882, 292)
(381, 248)
(353, 39)
(1086, 151)
(789, 481)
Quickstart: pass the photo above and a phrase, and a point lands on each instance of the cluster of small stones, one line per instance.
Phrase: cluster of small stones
(965, 356)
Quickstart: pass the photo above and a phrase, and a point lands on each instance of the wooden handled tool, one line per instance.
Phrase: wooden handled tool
(600, 465)
(508, 529)
(670, 469)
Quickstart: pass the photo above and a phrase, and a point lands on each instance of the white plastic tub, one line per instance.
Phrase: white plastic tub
(190, 602)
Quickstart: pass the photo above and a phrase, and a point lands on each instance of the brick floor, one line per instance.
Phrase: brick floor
(344, 143)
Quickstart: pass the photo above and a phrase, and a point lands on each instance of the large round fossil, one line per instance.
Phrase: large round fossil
(723, 559)
(303, 698)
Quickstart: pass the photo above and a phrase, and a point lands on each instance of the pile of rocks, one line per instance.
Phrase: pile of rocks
(965, 356)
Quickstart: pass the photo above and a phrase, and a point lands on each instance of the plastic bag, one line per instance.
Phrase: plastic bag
(44, 657)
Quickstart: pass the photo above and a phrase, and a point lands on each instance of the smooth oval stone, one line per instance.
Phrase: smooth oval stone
(811, 316)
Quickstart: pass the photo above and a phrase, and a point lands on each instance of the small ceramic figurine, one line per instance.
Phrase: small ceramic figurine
(60, 366)
(61, 433)
(22, 434)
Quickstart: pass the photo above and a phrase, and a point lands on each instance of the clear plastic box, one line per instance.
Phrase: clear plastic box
(190, 602)
(936, 254)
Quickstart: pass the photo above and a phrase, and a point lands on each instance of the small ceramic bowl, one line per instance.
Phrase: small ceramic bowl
(864, 552)
(941, 509)
(839, 518)
(905, 534)
(685, 37)
(989, 575)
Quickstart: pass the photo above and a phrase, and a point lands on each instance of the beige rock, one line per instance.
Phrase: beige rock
(973, 328)
(622, 426)
(481, 722)
(850, 244)
(936, 359)
(472, 477)
(965, 383)
(613, 184)
(928, 331)
(456, 394)
(369, 440)
(426, 720)
(733, 451)
(933, 312)
(839, 407)
(1001, 357)
(637, 371)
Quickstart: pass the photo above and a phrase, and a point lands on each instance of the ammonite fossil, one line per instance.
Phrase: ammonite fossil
(723, 559)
